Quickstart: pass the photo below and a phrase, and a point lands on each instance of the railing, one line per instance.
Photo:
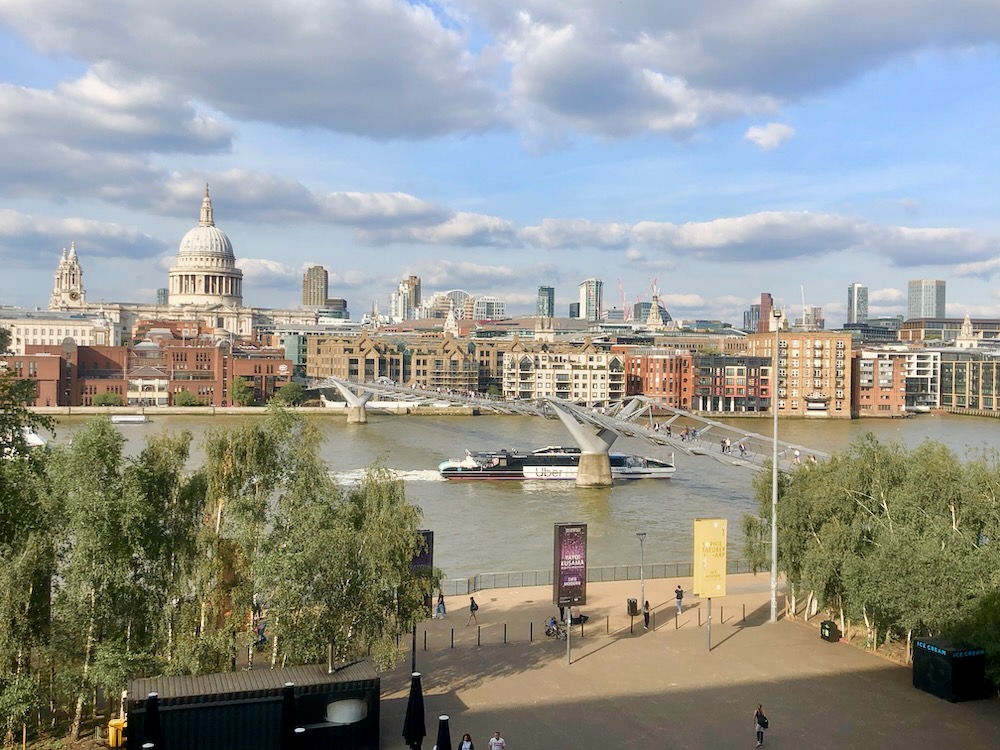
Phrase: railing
(595, 574)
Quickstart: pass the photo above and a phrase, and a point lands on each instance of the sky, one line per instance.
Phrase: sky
(712, 150)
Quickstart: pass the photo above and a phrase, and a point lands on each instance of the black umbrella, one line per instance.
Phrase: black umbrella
(444, 733)
(414, 728)
(151, 732)
(288, 716)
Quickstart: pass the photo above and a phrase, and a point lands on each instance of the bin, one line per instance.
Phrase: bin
(828, 631)
(116, 732)
(633, 607)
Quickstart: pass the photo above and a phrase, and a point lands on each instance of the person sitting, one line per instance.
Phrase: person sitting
(575, 618)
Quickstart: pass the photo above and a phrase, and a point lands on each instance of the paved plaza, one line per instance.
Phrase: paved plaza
(663, 688)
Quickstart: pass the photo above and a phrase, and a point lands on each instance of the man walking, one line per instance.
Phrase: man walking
(679, 595)
(473, 608)
(496, 742)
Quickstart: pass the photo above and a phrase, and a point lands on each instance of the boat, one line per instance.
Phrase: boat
(129, 419)
(550, 462)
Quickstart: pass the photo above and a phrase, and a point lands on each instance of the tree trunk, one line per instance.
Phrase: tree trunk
(843, 625)
(274, 644)
(909, 654)
(74, 731)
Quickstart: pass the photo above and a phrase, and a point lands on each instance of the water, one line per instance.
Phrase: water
(500, 526)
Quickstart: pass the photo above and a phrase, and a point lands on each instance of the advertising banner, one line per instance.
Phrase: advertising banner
(710, 557)
(424, 559)
(569, 570)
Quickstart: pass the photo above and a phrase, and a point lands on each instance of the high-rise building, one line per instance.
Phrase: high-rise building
(163, 296)
(546, 306)
(591, 299)
(489, 307)
(315, 287)
(764, 322)
(925, 299)
(574, 309)
(404, 303)
(857, 303)
(751, 319)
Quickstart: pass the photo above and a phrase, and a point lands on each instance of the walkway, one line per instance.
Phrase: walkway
(663, 688)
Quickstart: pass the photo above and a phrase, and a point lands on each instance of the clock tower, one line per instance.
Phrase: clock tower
(68, 291)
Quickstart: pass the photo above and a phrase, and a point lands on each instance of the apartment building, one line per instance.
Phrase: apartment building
(970, 380)
(878, 379)
(586, 375)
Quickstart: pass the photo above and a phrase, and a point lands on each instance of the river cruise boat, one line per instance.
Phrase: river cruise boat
(551, 462)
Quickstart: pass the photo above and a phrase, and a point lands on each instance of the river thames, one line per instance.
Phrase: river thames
(487, 526)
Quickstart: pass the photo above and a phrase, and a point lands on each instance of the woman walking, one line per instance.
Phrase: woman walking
(466, 742)
(760, 724)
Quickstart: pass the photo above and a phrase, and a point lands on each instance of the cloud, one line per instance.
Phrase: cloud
(477, 277)
(885, 296)
(984, 268)
(564, 233)
(770, 136)
(461, 229)
(26, 234)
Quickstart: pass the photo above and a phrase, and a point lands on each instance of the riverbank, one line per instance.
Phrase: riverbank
(151, 412)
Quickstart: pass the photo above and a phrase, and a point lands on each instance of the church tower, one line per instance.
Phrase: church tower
(68, 291)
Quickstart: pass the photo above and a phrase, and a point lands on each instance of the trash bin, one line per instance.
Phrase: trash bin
(116, 733)
(633, 607)
(828, 631)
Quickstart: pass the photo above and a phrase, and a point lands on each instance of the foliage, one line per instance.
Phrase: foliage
(15, 395)
(242, 394)
(291, 393)
(905, 541)
(186, 398)
(107, 399)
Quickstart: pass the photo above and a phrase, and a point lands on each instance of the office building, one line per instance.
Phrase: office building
(764, 321)
(546, 305)
(404, 303)
(574, 309)
(163, 296)
(315, 287)
(925, 299)
(591, 299)
(751, 319)
(857, 303)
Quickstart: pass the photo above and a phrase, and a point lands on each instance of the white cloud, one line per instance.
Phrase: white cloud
(22, 234)
(978, 268)
(885, 296)
(769, 137)
(461, 229)
(564, 233)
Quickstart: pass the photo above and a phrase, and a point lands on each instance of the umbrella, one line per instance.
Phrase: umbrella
(151, 726)
(414, 728)
(288, 716)
(444, 733)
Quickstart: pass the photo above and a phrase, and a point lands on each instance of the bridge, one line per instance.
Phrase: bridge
(595, 428)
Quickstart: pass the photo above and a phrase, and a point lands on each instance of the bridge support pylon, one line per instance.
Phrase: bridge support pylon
(356, 411)
(595, 464)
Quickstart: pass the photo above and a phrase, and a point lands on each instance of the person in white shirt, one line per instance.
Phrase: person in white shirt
(466, 742)
(497, 742)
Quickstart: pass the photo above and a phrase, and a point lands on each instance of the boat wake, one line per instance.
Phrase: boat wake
(421, 475)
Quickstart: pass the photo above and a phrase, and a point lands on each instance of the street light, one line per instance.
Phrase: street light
(774, 471)
(642, 579)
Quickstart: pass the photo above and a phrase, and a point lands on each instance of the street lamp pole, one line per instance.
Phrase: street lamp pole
(642, 578)
(774, 471)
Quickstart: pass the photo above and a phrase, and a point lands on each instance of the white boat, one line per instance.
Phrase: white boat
(551, 462)
(129, 419)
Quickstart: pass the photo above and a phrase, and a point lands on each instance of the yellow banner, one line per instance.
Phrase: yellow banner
(710, 557)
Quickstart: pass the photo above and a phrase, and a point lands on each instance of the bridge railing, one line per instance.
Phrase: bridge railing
(595, 574)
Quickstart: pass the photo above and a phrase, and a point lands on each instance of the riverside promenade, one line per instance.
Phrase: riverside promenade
(662, 688)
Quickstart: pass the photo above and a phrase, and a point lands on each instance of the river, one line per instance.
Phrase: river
(499, 526)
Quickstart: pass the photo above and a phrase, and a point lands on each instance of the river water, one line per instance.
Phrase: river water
(500, 526)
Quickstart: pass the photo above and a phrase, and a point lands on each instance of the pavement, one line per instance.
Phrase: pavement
(627, 687)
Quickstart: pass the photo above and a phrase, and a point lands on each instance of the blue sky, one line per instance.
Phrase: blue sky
(723, 149)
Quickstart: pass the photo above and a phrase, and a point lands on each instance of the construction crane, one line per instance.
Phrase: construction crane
(625, 311)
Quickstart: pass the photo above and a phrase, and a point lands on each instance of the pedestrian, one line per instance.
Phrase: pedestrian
(759, 724)
(466, 742)
(670, 432)
(440, 611)
(795, 456)
(645, 615)
(679, 595)
(743, 450)
(729, 445)
(473, 608)
(497, 742)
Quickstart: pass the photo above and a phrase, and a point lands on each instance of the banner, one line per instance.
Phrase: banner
(710, 557)
(569, 570)
(424, 559)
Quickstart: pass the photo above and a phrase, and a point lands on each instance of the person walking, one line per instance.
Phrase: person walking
(440, 611)
(760, 724)
(679, 595)
(645, 615)
(497, 742)
(466, 742)
(473, 608)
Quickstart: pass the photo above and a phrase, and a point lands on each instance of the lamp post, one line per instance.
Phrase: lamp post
(774, 472)
(642, 578)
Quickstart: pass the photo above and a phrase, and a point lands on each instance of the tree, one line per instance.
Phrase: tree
(15, 417)
(242, 394)
(291, 393)
(186, 398)
(107, 399)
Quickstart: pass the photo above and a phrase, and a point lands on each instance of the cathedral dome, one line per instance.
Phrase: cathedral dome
(206, 239)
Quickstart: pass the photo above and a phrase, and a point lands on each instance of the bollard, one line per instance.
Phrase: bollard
(699, 617)
(654, 620)
(722, 617)
(631, 622)
(581, 628)
(607, 624)
(744, 614)
(505, 633)
(453, 637)
(479, 635)
(676, 621)
(425, 640)
(531, 631)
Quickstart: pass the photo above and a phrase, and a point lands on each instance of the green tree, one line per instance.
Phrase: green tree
(242, 394)
(186, 398)
(107, 399)
(291, 393)
(15, 417)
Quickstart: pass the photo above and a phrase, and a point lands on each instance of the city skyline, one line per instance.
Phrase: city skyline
(497, 149)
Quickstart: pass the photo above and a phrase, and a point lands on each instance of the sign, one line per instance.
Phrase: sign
(424, 558)
(569, 579)
(710, 557)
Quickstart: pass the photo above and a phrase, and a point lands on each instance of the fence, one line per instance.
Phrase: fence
(595, 574)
